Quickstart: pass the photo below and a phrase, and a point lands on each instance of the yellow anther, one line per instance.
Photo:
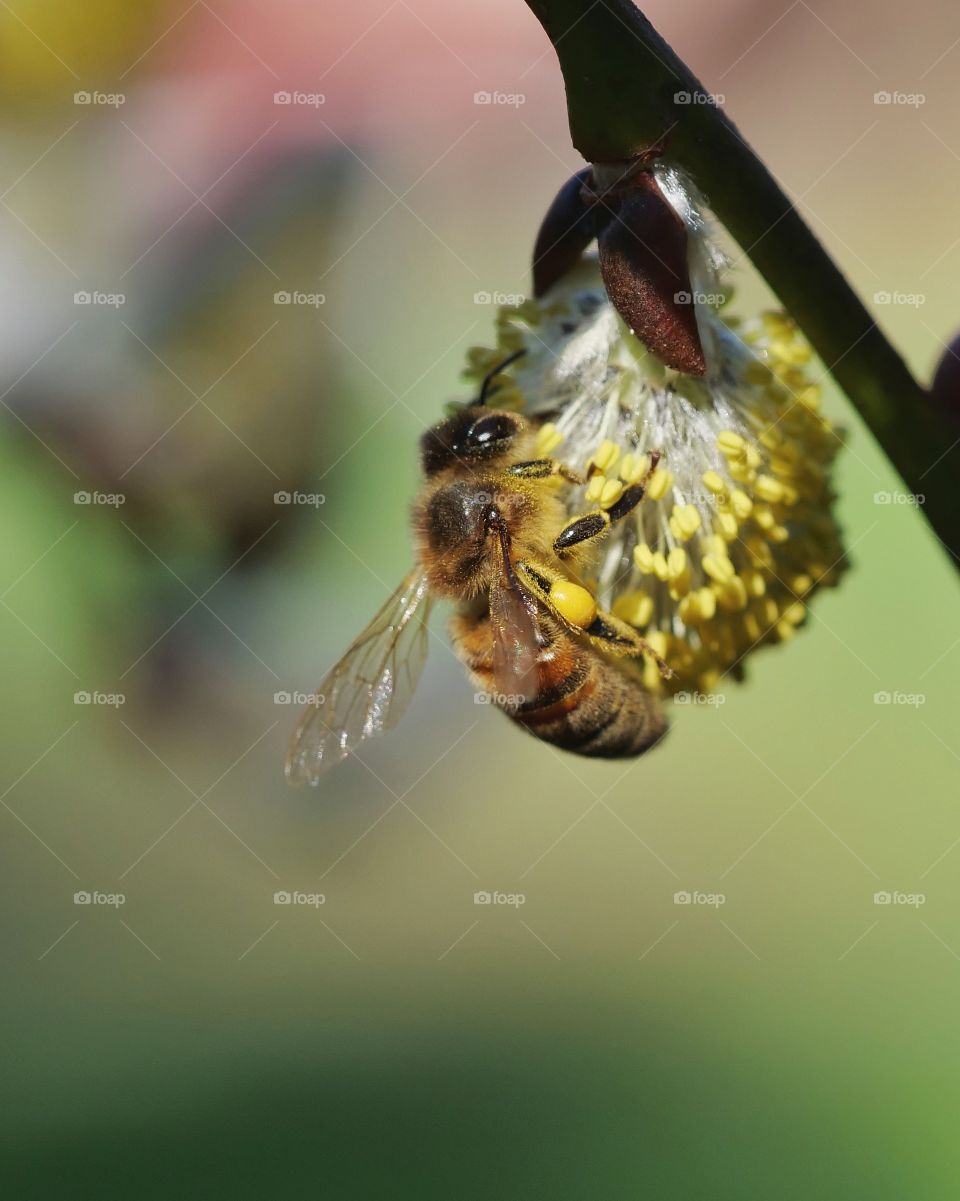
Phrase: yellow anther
(605, 455)
(756, 584)
(713, 544)
(659, 484)
(548, 439)
(719, 569)
(643, 558)
(726, 523)
(801, 583)
(635, 608)
(752, 627)
(733, 595)
(595, 487)
(573, 603)
(680, 585)
(741, 471)
(753, 457)
(741, 504)
(795, 613)
(768, 489)
(764, 517)
(610, 493)
(676, 562)
(730, 444)
(633, 468)
(707, 603)
(714, 482)
(779, 533)
(687, 519)
(660, 566)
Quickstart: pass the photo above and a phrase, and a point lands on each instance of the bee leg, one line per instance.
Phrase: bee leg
(542, 469)
(593, 525)
(577, 609)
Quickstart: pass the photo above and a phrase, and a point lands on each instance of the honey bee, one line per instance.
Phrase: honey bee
(492, 535)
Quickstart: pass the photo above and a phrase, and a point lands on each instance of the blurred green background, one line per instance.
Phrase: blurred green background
(600, 1040)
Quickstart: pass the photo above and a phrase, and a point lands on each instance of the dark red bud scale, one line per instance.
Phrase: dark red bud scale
(643, 258)
(945, 389)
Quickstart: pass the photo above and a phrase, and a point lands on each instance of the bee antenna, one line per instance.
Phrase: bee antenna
(495, 371)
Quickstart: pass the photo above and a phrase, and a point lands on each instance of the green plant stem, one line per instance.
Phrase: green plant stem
(621, 80)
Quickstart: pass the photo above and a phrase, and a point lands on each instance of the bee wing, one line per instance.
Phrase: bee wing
(515, 644)
(368, 690)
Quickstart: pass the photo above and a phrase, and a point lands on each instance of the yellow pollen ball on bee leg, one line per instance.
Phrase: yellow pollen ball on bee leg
(573, 603)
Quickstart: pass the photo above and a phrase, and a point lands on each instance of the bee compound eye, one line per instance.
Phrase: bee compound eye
(490, 430)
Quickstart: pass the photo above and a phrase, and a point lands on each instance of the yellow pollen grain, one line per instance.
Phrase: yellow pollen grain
(714, 482)
(727, 526)
(764, 517)
(573, 603)
(605, 455)
(733, 595)
(635, 608)
(801, 583)
(676, 563)
(659, 484)
(687, 519)
(634, 468)
(717, 568)
(706, 603)
(595, 487)
(610, 493)
(741, 504)
(730, 444)
(643, 558)
(768, 489)
(548, 439)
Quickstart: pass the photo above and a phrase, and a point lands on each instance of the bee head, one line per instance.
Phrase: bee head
(472, 437)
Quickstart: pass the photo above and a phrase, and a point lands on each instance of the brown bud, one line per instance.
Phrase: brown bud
(643, 259)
